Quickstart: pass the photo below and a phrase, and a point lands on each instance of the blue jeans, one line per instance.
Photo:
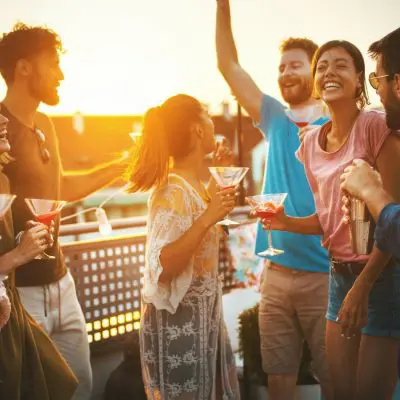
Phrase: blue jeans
(383, 304)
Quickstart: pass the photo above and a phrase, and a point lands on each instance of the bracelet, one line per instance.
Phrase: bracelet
(18, 238)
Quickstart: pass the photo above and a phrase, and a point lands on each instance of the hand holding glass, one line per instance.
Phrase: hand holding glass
(265, 206)
(45, 211)
(226, 178)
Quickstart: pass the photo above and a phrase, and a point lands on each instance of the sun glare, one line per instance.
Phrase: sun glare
(126, 56)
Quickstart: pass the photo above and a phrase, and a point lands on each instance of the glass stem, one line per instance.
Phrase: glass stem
(269, 235)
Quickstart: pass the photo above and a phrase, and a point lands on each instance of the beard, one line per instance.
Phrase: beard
(43, 93)
(297, 94)
(392, 108)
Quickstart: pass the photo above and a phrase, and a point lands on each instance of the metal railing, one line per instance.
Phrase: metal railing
(108, 277)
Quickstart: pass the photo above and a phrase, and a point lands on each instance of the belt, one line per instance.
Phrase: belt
(279, 267)
(346, 268)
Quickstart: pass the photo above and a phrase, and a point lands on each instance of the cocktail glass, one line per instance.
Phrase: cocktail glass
(226, 178)
(45, 211)
(265, 206)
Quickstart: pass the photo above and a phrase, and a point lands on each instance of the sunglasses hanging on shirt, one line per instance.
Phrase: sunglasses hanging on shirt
(44, 152)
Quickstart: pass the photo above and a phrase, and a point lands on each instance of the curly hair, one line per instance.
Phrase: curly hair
(24, 42)
(304, 44)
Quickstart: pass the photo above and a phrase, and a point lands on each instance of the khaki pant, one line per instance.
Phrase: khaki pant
(56, 309)
(292, 309)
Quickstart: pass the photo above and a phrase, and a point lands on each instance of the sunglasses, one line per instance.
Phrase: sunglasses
(374, 80)
(44, 152)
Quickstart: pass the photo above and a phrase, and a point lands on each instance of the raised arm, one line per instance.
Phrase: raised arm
(242, 85)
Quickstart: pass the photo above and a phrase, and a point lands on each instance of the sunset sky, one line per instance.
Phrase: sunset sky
(124, 56)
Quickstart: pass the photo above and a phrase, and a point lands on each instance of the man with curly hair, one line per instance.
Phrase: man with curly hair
(30, 66)
(295, 284)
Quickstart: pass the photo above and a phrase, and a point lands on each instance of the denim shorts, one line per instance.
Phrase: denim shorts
(383, 304)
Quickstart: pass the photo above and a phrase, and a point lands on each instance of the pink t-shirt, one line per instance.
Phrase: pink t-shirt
(323, 170)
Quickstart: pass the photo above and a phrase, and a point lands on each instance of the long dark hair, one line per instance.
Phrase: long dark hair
(166, 134)
(358, 59)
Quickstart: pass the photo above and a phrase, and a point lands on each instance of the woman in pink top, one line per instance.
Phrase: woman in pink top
(362, 364)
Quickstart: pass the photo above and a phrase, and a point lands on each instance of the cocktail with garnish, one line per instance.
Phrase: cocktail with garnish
(265, 207)
(45, 211)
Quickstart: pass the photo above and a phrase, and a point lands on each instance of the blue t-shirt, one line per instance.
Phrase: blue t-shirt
(285, 174)
(387, 231)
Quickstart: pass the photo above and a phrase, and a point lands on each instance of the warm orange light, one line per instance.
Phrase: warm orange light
(136, 315)
(121, 324)
(97, 325)
(114, 332)
(121, 329)
(105, 323)
(128, 317)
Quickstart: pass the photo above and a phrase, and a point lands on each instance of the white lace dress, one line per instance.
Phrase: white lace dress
(185, 349)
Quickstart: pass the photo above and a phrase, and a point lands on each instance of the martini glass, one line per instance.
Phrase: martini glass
(226, 178)
(5, 203)
(265, 206)
(45, 211)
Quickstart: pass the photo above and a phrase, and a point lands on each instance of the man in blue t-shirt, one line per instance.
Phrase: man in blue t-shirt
(295, 289)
